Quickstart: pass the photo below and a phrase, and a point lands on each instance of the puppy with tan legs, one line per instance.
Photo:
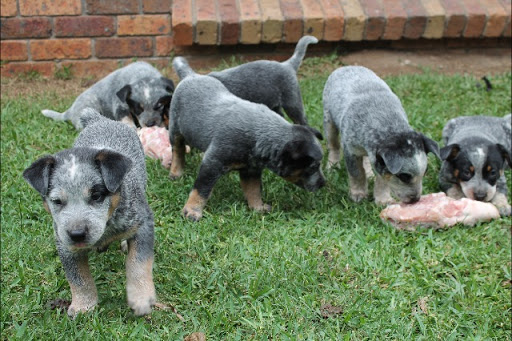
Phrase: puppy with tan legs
(96, 194)
(477, 150)
(372, 122)
(236, 135)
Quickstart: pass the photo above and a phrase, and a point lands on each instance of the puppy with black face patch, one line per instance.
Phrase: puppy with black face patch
(136, 94)
(372, 122)
(477, 150)
(96, 194)
(236, 134)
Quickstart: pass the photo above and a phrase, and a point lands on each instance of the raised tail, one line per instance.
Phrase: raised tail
(54, 115)
(181, 67)
(300, 51)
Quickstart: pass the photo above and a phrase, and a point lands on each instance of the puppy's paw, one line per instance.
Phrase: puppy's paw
(175, 175)
(358, 195)
(142, 305)
(193, 214)
(331, 165)
(264, 208)
(385, 200)
(76, 308)
(505, 210)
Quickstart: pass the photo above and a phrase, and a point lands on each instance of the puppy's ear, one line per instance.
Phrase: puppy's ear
(316, 133)
(124, 93)
(450, 152)
(391, 160)
(504, 153)
(38, 174)
(431, 146)
(113, 167)
(168, 84)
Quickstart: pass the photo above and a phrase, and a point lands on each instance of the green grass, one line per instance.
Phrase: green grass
(239, 275)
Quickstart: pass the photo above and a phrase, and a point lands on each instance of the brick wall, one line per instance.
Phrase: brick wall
(92, 36)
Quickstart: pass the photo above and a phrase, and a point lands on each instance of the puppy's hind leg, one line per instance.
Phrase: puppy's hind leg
(356, 176)
(250, 181)
(333, 144)
(178, 157)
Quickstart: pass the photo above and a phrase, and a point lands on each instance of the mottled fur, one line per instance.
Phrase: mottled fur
(372, 122)
(236, 134)
(476, 152)
(271, 83)
(96, 194)
(134, 94)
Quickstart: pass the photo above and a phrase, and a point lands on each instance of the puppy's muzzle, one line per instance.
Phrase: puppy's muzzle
(78, 234)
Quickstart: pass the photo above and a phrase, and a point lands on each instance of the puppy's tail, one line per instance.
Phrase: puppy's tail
(300, 51)
(90, 116)
(57, 116)
(181, 67)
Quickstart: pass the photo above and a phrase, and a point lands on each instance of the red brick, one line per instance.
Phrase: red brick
(87, 26)
(8, 8)
(396, 18)
(476, 15)
(497, 18)
(293, 20)
(250, 21)
(46, 69)
(112, 7)
(507, 32)
(60, 49)
(182, 29)
(229, 22)
(94, 68)
(50, 7)
(164, 45)
(207, 24)
(355, 20)
(272, 21)
(138, 25)
(455, 18)
(376, 20)
(417, 19)
(334, 20)
(13, 50)
(313, 18)
(124, 47)
(156, 6)
(19, 28)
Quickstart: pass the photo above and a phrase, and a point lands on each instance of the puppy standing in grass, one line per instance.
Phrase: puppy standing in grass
(372, 122)
(134, 94)
(236, 134)
(96, 194)
(477, 150)
(271, 83)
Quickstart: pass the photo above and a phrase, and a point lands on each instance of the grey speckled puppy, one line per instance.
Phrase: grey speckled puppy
(236, 134)
(271, 83)
(136, 90)
(96, 194)
(476, 152)
(372, 122)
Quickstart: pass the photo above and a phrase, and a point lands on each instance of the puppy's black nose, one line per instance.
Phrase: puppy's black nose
(480, 196)
(150, 123)
(78, 235)
(413, 198)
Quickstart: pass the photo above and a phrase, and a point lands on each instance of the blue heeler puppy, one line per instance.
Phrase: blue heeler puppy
(372, 122)
(96, 194)
(477, 150)
(136, 94)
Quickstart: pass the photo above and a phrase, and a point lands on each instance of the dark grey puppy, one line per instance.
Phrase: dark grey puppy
(96, 194)
(372, 122)
(236, 134)
(134, 94)
(271, 83)
(477, 150)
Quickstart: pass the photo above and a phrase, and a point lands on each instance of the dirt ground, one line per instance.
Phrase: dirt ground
(476, 62)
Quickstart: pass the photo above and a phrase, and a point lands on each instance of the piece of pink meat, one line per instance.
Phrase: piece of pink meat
(438, 210)
(156, 144)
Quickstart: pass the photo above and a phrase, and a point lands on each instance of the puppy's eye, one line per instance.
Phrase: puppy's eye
(57, 202)
(158, 106)
(404, 177)
(97, 197)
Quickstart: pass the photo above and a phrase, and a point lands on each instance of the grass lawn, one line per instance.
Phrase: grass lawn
(318, 267)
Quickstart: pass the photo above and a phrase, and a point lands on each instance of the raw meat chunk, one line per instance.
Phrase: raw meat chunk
(156, 144)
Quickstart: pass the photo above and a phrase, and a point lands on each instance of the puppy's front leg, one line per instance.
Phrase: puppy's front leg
(381, 190)
(83, 290)
(500, 198)
(250, 181)
(333, 144)
(140, 289)
(356, 176)
(455, 192)
(209, 172)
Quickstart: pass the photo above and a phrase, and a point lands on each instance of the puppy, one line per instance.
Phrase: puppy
(136, 94)
(95, 193)
(372, 122)
(236, 134)
(477, 149)
(271, 83)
